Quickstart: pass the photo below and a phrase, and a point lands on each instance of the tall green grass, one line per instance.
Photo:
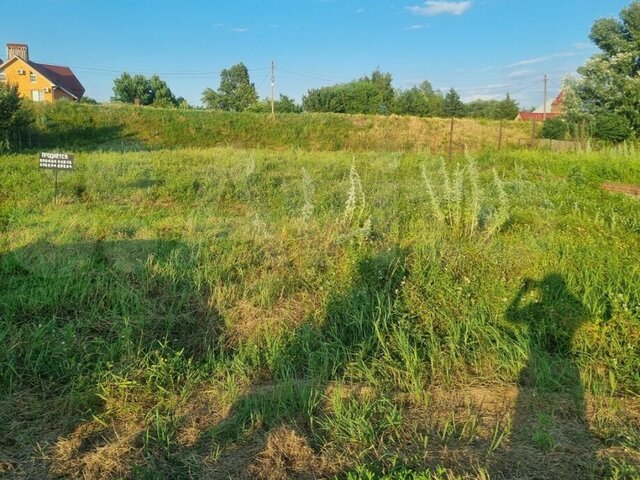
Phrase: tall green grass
(128, 128)
(311, 289)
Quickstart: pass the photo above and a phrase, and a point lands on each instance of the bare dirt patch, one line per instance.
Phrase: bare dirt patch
(501, 431)
(625, 188)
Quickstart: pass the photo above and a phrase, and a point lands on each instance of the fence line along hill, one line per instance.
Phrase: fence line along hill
(120, 126)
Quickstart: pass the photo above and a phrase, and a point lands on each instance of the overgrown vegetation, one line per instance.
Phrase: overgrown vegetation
(145, 91)
(261, 314)
(607, 92)
(122, 128)
(554, 129)
(15, 119)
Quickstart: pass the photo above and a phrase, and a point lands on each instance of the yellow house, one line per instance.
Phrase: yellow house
(39, 81)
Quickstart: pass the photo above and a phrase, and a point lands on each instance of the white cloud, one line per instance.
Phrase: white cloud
(432, 8)
(239, 30)
(479, 96)
(582, 46)
(415, 27)
(532, 61)
(359, 11)
(521, 74)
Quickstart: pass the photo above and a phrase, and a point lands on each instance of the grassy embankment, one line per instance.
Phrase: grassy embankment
(119, 127)
(219, 312)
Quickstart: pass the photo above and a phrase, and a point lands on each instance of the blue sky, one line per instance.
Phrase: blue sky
(483, 48)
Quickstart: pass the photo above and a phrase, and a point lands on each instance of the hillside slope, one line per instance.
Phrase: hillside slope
(121, 127)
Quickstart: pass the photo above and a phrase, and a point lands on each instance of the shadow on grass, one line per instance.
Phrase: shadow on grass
(71, 314)
(318, 353)
(550, 435)
(86, 137)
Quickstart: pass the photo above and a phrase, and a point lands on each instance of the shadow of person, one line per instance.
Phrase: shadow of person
(549, 433)
(318, 354)
(75, 313)
(106, 290)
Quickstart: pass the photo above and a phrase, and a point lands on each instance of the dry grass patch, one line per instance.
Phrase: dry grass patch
(287, 455)
(93, 451)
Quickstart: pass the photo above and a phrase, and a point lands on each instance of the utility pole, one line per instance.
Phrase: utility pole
(273, 89)
(544, 108)
(451, 140)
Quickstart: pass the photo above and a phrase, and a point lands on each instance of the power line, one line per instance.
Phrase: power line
(266, 75)
(167, 73)
(314, 77)
(497, 86)
(273, 88)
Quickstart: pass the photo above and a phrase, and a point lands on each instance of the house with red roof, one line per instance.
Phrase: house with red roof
(40, 82)
(554, 109)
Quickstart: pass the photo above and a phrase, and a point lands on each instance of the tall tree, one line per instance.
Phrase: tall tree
(421, 100)
(452, 105)
(150, 91)
(610, 79)
(283, 105)
(126, 88)
(162, 93)
(236, 92)
(411, 102)
(384, 90)
(506, 109)
(371, 95)
(13, 115)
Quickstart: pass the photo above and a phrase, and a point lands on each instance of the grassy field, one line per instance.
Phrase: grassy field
(234, 313)
(121, 127)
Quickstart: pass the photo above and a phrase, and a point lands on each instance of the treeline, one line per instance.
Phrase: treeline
(373, 94)
(15, 120)
(605, 99)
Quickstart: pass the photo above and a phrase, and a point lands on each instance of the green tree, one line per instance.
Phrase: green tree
(612, 127)
(88, 100)
(554, 128)
(283, 105)
(370, 95)
(506, 109)
(385, 93)
(182, 103)
(14, 117)
(162, 95)
(481, 109)
(421, 100)
(150, 91)
(127, 88)
(452, 105)
(412, 102)
(236, 92)
(610, 79)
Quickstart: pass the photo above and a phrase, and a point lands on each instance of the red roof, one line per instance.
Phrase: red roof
(537, 116)
(62, 77)
(559, 98)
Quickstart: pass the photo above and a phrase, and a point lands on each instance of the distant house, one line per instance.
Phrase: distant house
(39, 81)
(555, 108)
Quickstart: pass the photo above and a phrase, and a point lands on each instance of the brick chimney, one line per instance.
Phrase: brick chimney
(18, 50)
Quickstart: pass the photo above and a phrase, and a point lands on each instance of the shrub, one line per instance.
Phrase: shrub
(14, 117)
(612, 127)
(554, 129)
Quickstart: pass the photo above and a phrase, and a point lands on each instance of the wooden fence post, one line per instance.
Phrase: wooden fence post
(451, 140)
(533, 134)
(500, 135)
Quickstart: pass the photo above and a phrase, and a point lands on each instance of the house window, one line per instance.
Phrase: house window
(33, 78)
(3, 77)
(36, 95)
